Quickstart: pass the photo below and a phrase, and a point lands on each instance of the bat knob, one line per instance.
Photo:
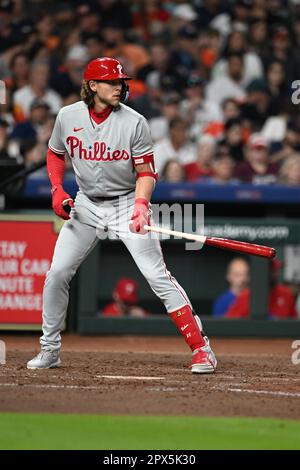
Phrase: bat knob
(272, 253)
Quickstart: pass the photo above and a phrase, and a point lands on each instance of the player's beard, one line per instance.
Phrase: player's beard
(106, 101)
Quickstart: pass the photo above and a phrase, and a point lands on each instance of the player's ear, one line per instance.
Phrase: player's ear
(93, 85)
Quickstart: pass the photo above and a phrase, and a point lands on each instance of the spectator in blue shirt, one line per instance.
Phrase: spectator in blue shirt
(237, 276)
(29, 130)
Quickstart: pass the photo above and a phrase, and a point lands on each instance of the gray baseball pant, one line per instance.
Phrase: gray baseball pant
(91, 221)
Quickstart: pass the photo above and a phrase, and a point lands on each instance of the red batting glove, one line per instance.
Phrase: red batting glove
(60, 199)
(140, 217)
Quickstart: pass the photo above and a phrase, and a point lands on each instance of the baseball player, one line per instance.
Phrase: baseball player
(110, 148)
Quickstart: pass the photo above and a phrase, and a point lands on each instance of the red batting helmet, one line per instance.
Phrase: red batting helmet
(126, 290)
(104, 68)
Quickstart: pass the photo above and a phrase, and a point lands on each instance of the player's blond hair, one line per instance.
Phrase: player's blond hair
(86, 94)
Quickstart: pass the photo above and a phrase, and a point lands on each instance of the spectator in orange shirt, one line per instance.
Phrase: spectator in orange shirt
(281, 299)
(116, 46)
(125, 296)
(230, 110)
(148, 18)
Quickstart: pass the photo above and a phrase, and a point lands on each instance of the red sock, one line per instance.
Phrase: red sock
(187, 325)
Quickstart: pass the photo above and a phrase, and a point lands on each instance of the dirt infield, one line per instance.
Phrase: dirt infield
(147, 375)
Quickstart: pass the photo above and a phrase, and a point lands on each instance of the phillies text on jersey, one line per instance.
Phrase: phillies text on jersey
(103, 156)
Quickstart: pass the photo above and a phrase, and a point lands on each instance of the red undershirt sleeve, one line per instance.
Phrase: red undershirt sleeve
(55, 167)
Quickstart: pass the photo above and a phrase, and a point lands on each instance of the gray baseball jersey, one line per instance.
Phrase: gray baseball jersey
(103, 156)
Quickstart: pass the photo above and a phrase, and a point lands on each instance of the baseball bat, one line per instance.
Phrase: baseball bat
(223, 243)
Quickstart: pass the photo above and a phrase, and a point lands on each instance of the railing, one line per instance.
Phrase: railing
(184, 192)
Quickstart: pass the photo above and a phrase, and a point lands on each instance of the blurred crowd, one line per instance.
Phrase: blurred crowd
(217, 80)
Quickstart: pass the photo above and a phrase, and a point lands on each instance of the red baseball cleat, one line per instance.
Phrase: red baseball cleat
(204, 361)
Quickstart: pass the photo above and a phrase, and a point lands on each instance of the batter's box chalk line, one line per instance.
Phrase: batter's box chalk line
(275, 393)
(75, 387)
(129, 377)
(266, 392)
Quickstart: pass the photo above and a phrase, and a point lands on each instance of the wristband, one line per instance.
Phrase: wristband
(141, 200)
